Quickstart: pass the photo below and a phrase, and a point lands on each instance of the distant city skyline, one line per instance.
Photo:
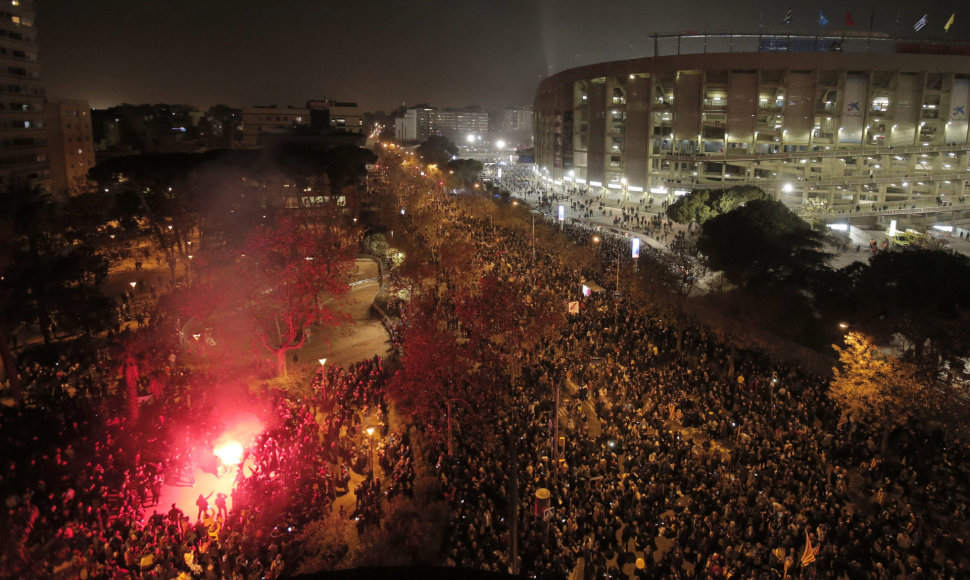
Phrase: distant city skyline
(384, 53)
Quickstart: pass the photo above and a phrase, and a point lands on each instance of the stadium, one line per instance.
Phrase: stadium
(856, 122)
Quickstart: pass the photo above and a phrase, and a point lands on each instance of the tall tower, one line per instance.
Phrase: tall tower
(23, 145)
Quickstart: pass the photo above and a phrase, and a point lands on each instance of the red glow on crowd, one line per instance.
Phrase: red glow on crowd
(216, 475)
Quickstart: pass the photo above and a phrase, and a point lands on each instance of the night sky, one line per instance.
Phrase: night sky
(382, 53)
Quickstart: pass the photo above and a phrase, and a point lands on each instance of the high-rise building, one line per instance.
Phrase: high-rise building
(23, 146)
(456, 125)
(70, 145)
(461, 126)
(515, 126)
(415, 125)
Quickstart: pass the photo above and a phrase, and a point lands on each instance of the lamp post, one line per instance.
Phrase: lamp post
(533, 237)
(370, 434)
(323, 376)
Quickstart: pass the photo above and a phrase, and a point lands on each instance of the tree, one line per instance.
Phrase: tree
(462, 173)
(920, 296)
(869, 387)
(282, 285)
(692, 207)
(292, 265)
(761, 243)
(437, 150)
(50, 275)
(53, 277)
(347, 165)
(156, 181)
(432, 382)
(701, 205)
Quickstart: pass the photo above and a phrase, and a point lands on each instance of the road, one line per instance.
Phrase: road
(364, 337)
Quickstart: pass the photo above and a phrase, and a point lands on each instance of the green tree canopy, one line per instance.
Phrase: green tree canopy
(437, 150)
(701, 205)
(463, 172)
(760, 243)
(50, 278)
(919, 295)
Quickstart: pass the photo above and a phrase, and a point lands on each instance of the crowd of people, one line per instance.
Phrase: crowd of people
(679, 455)
(692, 458)
(81, 494)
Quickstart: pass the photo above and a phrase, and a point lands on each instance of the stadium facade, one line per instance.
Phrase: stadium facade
(849, 120)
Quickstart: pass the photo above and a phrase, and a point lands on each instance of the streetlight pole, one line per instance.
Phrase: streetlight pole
(370, 434)
(533, 237)
(616, 293)
(555, 435)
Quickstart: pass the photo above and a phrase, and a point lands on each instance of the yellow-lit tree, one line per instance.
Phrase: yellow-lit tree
(874, 389)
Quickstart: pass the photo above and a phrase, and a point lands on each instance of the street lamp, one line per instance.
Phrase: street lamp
(323, 374)
(370, 434)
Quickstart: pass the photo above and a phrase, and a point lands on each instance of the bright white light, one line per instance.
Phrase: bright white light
(787, 188)
(839, 227)
(500, 144)
(230, 453)
(470, 138)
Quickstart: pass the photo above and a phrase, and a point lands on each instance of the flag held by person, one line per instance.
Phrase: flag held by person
(848, 19)
(787, 19)
(808, 556)
(949, 23)
(921, 23)
(822, 20)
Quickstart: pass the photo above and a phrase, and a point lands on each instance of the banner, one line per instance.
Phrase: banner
(853, 107)
(956, 127)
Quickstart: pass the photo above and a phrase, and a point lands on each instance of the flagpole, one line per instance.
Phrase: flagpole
(872, 15)
(896, 30)
(761, 20)
(818, 23)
